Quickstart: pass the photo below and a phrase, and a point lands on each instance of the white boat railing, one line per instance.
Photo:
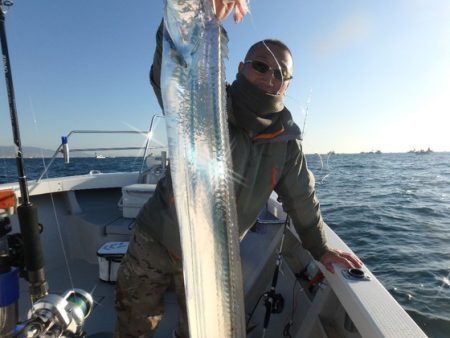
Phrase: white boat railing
(64, 149)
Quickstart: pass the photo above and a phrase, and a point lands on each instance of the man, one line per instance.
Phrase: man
(267, 154)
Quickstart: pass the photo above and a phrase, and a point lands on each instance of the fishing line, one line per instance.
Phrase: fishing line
(27, 212)
(5, 172)
(306, 111)
(327, 167)
(308, 100)
(273, 301)
(278, 65)
(58, 225)
(252, 24)
(96, 303)
(287, 327)
(445, 281)
(321, 161)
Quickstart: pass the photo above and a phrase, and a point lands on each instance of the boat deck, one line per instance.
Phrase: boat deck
(82, 213)
(85, 229)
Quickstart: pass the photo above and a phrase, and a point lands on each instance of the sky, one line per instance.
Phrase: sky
(368, 75)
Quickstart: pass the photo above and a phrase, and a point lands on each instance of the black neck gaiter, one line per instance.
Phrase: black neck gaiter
(253, 109)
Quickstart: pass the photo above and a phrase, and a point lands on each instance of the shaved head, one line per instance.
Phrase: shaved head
(267, 43)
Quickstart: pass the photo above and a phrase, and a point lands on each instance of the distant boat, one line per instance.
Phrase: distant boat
(421, 151)
(99, 156)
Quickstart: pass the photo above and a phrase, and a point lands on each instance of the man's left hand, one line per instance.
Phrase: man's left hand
(225, 7)
(334, 256)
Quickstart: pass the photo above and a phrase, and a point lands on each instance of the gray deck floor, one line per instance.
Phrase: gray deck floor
(101, 322)
(257, 269)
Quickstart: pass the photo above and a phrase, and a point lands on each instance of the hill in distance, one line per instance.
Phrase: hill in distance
(28, 152)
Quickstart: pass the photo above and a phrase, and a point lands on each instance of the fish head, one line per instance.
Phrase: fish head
(185, 22)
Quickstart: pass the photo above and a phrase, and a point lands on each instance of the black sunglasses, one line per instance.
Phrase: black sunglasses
(262, 67)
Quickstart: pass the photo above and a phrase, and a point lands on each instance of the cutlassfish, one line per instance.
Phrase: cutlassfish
(194, 97)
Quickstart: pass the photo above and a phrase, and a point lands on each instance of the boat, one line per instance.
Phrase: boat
(85, 223)
(422, 151)
(99, 156)
(91, 215)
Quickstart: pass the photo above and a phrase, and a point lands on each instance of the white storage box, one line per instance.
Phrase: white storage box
(134, 196)
(109, 257)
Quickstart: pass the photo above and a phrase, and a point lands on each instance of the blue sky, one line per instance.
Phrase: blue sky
(374, 75)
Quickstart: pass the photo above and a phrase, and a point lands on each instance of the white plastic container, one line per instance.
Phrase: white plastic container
(109, 257)
(134, 196)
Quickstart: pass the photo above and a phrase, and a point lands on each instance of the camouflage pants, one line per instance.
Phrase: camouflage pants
(145, 274)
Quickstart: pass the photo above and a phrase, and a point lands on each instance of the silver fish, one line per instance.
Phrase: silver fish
(193, 90)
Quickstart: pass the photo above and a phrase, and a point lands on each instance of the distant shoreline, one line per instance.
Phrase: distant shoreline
(2, 157)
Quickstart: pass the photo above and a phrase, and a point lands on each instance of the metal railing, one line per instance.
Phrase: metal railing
(65, 150)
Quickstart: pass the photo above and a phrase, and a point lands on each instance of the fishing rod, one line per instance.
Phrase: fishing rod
(27, 212)
(273, 301)
(50, 315)
(18, 250)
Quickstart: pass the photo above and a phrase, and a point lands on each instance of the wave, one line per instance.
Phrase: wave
(434, 327)
(392, 211)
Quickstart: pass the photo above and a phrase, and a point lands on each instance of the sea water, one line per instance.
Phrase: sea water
(393, 210)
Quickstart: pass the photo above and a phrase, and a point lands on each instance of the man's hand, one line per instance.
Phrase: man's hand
(334, 256)
(225, 7)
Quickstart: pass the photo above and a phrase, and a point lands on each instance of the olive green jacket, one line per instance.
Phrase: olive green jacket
(263, 165)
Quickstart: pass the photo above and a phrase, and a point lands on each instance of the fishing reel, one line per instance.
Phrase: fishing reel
(12, 246)
(274, 302)
(55, 316)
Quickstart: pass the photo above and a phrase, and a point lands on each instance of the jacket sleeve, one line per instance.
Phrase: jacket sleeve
(297, 193)
(155, 69)
(158, 216)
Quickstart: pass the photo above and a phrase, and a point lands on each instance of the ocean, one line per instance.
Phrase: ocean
(393, 210)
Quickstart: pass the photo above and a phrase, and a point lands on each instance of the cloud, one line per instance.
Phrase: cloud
(350, 31)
